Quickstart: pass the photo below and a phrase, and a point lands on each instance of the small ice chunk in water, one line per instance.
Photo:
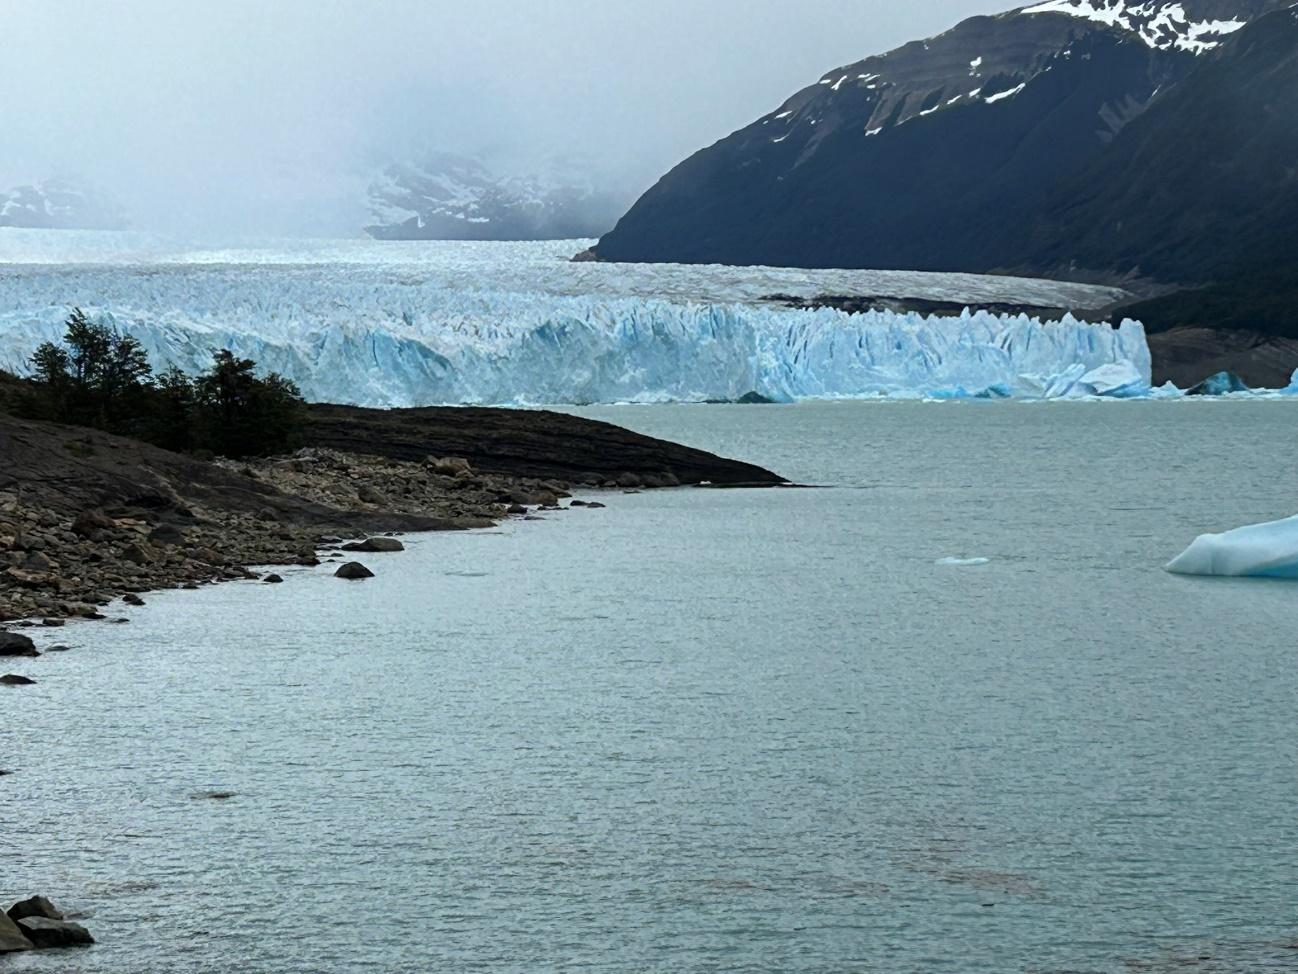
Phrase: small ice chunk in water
(1260, 550)
(962, 562)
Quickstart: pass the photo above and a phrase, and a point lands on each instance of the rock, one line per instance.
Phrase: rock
(12, 644)
(11, 937)
(44, 932)
(375, 544)
(89, 524)
(353, 570)
(54, 623)
(368, 495)
(131, 598)
(37, 561)
(754, 399)
(451, 466)
(168, 534)
(37, 906)
(596, 505)
(58, 649)
(13, 680)
(272, 580)
(516, 509)
(629, 480)
(138, 555)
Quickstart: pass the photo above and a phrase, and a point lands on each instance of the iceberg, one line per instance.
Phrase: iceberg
(1260, 550)
(504, 325)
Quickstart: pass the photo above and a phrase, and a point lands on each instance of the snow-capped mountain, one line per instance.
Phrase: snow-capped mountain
(59, 204)
(443, 196)
(934, 155)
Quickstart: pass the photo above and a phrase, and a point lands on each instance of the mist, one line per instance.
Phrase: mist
(235, 116)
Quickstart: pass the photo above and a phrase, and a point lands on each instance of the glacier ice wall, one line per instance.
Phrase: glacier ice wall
(395, 338)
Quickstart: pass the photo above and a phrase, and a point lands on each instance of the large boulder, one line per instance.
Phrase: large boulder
(353, 570)
(450, 466)
(44, 932)
(370, 495)
(168, 534)
(13, 644)
(375, 544)
(11, 937)
(36, 906)
(89, 524)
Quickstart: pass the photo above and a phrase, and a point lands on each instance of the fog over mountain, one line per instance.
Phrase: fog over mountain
(234, 116)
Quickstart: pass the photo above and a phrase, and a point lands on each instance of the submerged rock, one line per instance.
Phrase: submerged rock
(132, 599)
(44, 932)
(14, 680)
(353, 570)
(272, 579)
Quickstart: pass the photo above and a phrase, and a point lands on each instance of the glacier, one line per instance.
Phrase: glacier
(514, 324)
(1259, 550)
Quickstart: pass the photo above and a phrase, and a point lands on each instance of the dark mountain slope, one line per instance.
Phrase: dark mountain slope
(933, 156)
(1204, 184)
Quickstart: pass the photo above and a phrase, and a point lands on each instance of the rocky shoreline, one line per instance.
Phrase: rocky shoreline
(87, 518)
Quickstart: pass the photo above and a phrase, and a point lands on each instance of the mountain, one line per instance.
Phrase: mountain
(945, 154)
(59, 204)
(1204, 184)
(442, 196)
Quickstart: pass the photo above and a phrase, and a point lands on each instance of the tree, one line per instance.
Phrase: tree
(171, 422)
(97, 377)
(243, 415)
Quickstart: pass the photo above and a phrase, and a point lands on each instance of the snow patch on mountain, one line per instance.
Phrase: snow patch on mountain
(442, 196)
(59, 204)
(1163, 26)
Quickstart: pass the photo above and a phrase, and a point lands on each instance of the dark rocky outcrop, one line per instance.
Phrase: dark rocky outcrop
(12, 939)
(87, 517)
(353, 571)
(44, 933)
(273, 579)
(375, 544)
(16, 644)
(524, 443)
(14, 680)
(36, 906)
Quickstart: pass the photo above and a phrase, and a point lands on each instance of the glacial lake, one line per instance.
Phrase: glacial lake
(711, 730)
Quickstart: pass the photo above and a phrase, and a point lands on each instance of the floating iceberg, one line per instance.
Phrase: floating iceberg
(499, 324)
(1259, 550)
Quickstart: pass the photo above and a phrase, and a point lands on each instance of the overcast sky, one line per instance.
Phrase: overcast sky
(267, 115)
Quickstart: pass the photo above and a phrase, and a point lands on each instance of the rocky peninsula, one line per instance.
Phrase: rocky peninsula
(87, 517)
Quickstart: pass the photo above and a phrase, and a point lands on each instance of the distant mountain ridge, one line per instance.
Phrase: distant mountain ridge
(59, 204)
(945, 154)
(443, 196)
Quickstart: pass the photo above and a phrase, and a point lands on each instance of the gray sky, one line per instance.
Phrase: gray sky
(267, 115)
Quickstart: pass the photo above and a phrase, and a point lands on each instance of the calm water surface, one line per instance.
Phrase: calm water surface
(714, 730)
